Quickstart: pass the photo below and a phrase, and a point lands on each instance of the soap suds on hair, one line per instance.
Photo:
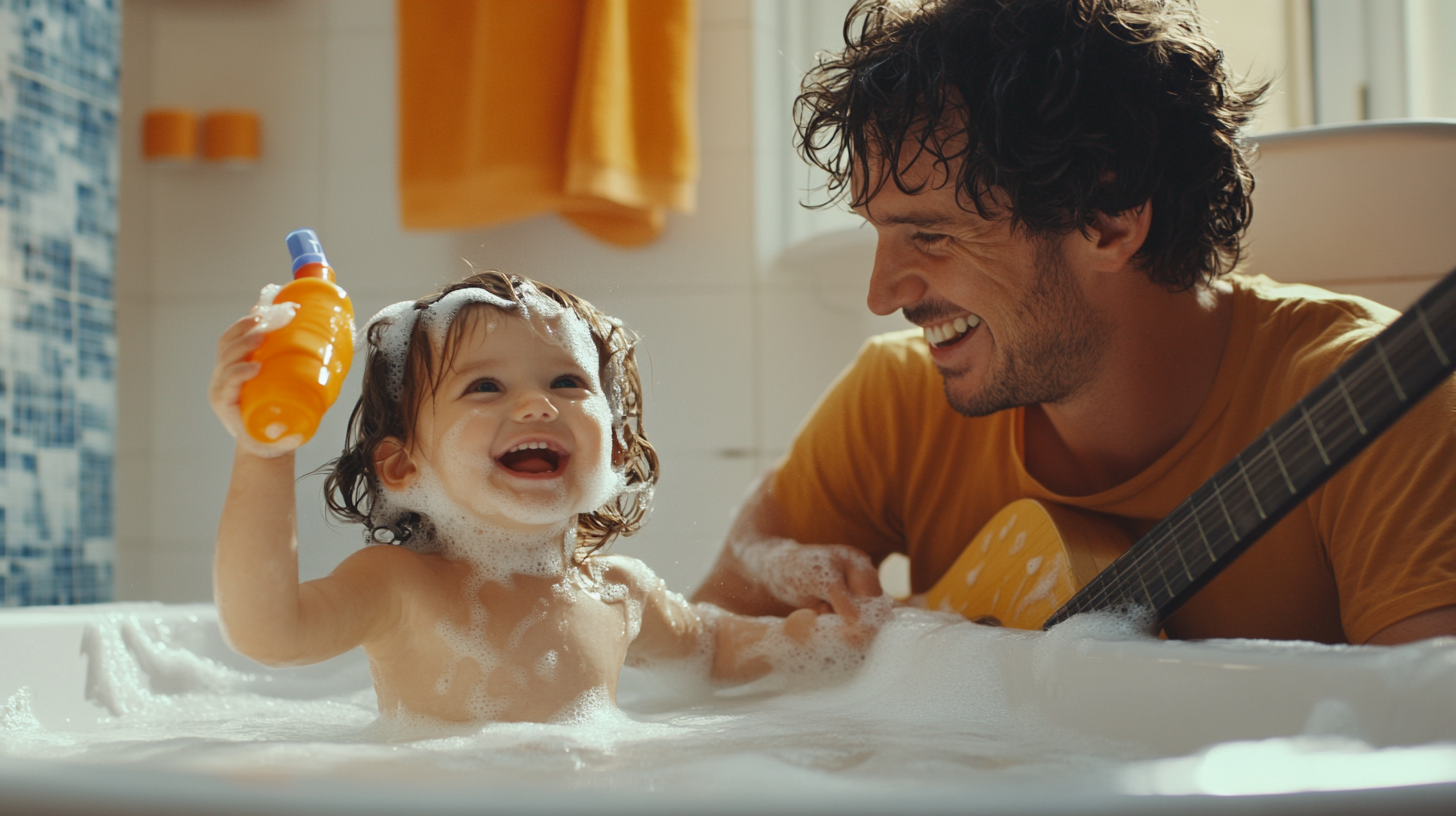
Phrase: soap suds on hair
(599, 480)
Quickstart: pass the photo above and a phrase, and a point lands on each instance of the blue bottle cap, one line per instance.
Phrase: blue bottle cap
(305, 248)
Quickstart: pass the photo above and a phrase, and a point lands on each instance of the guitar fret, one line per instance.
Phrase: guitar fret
(1280, 461)
(1147, 593)
(1162, 573)
(1198, 525)
(1312, 434)
(1173, 536)
(1253, 494)
(1218, 494)
(1345, 392)
(1380, 349)
(1431, 336)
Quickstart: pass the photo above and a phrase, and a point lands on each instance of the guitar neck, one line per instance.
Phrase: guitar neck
(1283, 466)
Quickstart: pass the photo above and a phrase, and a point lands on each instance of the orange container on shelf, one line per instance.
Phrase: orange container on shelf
(305, 361)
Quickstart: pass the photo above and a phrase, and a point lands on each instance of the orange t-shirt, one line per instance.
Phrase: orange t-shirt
(886, 465)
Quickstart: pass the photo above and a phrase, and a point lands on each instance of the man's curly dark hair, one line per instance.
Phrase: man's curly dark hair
(1057, 109)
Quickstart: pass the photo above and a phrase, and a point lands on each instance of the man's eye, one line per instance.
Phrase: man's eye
(484, 387)
(929, 238)
(567, 381)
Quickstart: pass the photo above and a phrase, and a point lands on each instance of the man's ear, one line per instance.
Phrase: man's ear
(393, 465)
(1114, 238)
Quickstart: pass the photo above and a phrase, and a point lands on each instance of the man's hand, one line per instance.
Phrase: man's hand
(762, 573)
(822, 577)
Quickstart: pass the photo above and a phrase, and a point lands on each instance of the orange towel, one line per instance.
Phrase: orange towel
(585, 107)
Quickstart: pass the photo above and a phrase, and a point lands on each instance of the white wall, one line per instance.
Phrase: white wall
(734, 358)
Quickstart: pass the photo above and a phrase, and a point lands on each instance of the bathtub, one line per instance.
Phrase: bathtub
(141, 708)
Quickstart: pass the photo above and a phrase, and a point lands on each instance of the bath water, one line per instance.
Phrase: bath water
(941, 707)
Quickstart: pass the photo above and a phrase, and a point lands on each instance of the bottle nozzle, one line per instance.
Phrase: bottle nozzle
(305, 248)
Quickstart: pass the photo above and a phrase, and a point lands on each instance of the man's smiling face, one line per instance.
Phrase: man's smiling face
(1007, 320)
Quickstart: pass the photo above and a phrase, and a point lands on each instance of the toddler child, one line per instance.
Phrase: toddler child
(496, 448)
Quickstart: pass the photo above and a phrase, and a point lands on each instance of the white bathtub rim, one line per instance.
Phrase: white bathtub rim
(39, 788)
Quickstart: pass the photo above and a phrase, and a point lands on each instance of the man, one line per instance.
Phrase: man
(1058, 190)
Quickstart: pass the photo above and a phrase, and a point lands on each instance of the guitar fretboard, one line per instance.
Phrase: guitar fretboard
(1283, 466)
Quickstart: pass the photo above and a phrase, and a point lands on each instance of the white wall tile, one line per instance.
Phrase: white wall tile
(375, 16)
(181, 569)
(725, 85)
(696, 365)
(809, 332)
(695, 498)
(716, 12)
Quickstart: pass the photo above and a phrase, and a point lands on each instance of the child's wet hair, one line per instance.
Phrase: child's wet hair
(352, 488)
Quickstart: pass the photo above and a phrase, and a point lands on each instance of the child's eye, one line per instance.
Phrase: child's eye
(483, 387)
(567, 381)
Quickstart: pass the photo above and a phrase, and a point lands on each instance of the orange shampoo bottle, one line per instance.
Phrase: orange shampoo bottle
(305, 361)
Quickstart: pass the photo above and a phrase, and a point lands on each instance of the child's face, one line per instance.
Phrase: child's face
(519, 433)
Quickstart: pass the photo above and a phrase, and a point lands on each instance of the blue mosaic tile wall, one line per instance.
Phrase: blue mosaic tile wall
(58, 192)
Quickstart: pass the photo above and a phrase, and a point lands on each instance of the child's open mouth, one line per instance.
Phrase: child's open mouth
(532, 459)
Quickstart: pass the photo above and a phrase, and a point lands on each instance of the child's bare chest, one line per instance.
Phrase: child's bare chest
(526, 651)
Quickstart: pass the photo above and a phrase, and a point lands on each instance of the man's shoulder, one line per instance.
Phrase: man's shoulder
(1290, 306)
(1305, 325)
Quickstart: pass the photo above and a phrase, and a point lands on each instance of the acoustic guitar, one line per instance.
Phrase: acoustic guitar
(1036, 564)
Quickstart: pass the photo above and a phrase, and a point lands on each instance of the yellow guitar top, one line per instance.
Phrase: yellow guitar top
(1027, 561)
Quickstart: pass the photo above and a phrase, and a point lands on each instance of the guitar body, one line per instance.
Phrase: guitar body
(1027, 561)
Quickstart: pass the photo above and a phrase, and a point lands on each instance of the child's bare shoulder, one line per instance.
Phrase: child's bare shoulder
(391, 566)
(637, 577)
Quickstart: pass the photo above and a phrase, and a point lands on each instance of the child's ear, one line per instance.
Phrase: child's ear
(393, 465)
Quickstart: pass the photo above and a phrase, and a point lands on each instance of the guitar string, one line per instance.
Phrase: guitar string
(1178, 530)
(1261, 461)
(1185, 518)
(1336, 438)
(1264, 464)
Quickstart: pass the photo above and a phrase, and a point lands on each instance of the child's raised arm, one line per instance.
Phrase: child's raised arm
(265, 613)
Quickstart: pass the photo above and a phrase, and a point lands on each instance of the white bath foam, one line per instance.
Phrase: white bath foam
(273, 316)
(929, 716)
(495, 552)
(794, 571)
(398, 320)
(441, 314)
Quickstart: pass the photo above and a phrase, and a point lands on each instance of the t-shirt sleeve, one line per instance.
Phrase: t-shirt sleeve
(1389, 520)
(834, 482)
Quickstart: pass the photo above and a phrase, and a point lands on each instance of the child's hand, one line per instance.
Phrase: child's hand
(805, 644)
(233, 369)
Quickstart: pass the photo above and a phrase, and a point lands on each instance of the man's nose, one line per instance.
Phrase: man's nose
(895, 282)
(534, 406)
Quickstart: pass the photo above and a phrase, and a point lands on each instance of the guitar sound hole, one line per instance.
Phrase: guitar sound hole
(987, 620)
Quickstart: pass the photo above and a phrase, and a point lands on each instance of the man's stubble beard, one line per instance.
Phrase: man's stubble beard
(1058, 356)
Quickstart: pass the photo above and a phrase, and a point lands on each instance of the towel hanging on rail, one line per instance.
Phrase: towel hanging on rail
(508, 109)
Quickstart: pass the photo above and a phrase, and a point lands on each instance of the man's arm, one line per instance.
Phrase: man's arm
(763, 572)
(1433, 623)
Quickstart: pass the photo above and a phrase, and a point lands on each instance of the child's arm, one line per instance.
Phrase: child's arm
(741, 648)
(265, 613)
